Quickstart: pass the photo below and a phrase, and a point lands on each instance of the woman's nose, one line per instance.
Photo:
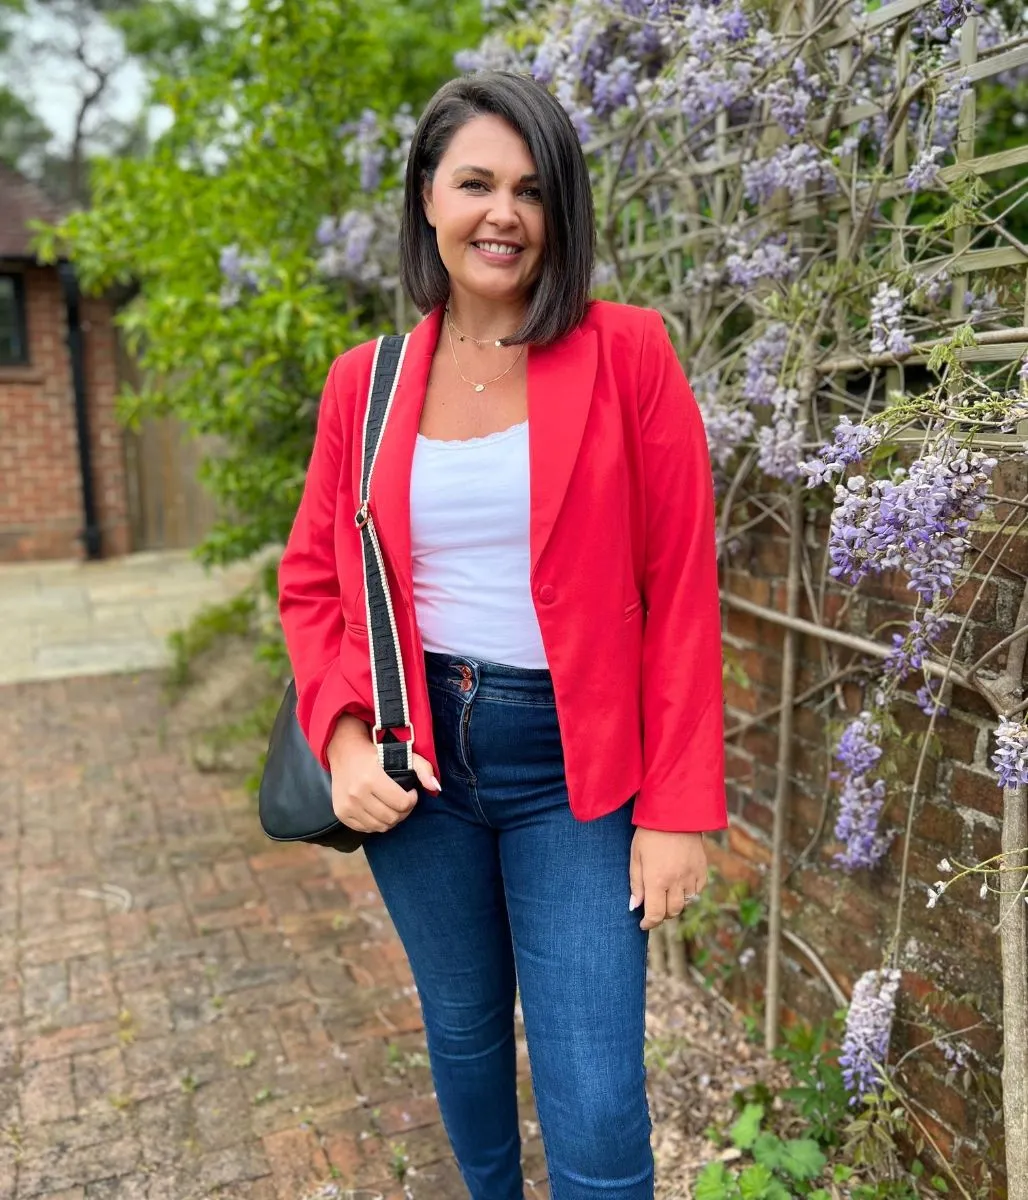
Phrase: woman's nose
(503, 210)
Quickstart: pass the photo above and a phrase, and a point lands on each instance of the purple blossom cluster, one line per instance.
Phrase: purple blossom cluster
(946, 113)
(915, 523)
(780, 443)
(934, 286)
(727, 426)
(887, 335)
(1022, 371)
(764, 358)
(346, 241)
(372, 144)
(1011, 755)
(792, 169)
(910, 649)
(865, 1045)
(924, 174)
(861, 798)
(790, 96)
(955, 13)
(849, 444)
(751, 262)
(360, 245)
(364, 148)
(928, 697)
(241, 274)
(238, 268)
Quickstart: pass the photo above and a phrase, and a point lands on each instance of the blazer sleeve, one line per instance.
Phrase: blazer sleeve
(309, 583)
(683, 785)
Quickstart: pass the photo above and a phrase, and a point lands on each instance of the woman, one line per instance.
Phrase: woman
(543, 496)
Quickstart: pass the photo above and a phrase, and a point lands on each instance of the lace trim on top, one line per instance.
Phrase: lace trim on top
(488, 438)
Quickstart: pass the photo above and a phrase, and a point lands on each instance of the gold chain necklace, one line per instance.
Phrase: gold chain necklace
(479, 387)
(466, 337)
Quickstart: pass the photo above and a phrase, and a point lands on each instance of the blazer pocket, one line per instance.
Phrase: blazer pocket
(633, 608)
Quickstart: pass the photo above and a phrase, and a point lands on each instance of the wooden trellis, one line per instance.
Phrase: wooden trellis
(689, 237)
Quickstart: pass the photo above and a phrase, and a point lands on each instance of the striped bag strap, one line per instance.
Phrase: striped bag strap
(392, 715)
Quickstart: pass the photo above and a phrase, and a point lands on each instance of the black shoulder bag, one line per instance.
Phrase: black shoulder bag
(295, 796)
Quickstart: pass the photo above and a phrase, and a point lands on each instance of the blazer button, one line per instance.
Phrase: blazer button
(547, 594)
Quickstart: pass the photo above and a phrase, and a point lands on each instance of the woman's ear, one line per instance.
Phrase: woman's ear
(426, 202)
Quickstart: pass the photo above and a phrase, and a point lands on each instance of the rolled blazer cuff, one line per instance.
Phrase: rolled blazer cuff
(322, 702)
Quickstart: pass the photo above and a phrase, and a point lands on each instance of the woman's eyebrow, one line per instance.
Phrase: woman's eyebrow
(487, 174)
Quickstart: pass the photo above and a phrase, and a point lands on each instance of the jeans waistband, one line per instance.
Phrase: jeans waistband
(470, 677)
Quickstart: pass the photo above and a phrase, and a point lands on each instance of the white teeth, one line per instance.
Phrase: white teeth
(497, 248)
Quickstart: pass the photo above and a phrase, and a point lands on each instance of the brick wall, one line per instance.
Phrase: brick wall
(41, 513)
(947, 952)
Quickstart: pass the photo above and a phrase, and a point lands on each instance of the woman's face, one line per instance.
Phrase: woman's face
(484, 204)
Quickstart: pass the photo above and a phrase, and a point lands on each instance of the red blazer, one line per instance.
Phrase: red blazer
(623, 570)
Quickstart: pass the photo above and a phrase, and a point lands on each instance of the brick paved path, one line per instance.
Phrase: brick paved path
(186, 1010)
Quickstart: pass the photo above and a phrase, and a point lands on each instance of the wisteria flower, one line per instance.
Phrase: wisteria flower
(862, 798)
(887, 334)
(925, 172)
(849, 444)
(910, 649)
(865, 1045)
(916, 524)
(1011, 756)
(771, 259)
(954, 13)
(727, 426)
(764, 358)
(791, 169)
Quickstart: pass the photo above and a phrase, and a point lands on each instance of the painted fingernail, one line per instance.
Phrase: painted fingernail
(633, 902)
(435, 783)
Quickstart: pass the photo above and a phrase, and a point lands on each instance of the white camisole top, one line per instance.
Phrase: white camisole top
(469, 504)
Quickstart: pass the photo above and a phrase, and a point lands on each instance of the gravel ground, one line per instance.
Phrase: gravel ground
(699, 1056)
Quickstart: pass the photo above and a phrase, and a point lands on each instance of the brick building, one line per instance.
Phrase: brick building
(63, 485)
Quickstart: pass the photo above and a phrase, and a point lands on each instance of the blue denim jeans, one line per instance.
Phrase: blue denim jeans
(493, 885)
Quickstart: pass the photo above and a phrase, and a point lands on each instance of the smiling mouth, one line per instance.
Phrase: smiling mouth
(498, 248)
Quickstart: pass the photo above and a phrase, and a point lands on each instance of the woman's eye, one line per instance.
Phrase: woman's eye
(532, 194)
(469, 184)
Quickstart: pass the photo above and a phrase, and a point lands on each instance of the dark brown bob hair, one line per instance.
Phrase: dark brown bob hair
(561, 293)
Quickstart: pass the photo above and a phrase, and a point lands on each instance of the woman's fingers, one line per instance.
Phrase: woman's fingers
(654, 907)
(425, 776)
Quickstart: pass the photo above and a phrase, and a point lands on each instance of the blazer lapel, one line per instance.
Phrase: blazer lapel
(390, 483)
(560, 389)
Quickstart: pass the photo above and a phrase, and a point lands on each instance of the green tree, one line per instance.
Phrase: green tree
(232, 322)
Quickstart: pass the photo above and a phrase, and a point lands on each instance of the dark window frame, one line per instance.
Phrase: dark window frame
(20, 319)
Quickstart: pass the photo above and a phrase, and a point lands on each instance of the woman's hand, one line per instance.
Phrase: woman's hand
(363, 795)
(666, 871)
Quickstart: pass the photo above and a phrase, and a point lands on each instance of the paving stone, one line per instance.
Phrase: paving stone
(47, 1093)
(62, 1168)
(297, 1161)
(191, 1045)
(121, 1187)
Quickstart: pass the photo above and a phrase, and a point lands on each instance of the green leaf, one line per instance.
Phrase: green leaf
(802, 1158)
(767, 1150)
(744, 1132)
(714, 1183)
(939, 1183)
(755, 1182)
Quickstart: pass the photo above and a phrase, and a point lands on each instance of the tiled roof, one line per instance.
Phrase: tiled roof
(20, 201)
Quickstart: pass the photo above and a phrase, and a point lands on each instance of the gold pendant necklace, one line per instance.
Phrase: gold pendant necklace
(479, 387)
(466, 337)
